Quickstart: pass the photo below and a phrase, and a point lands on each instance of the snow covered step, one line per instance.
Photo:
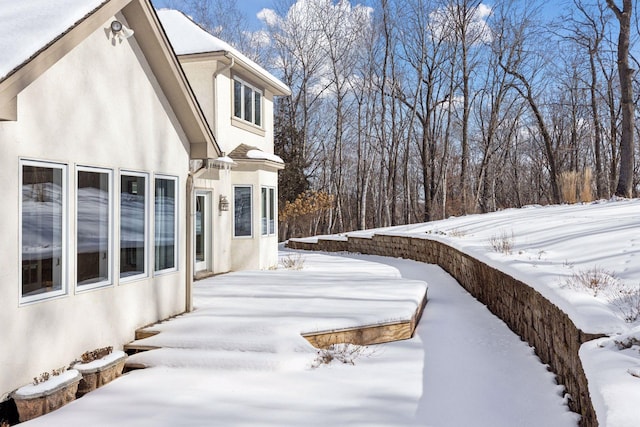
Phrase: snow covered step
(262, 344)
(135, 347)
(212, 359)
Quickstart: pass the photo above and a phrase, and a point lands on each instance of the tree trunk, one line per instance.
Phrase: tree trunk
(625, 179)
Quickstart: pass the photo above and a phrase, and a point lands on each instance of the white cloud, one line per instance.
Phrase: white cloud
(269, 17)
(443, 24)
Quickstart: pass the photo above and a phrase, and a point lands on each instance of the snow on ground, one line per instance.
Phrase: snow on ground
(239, 359)
(554, 249)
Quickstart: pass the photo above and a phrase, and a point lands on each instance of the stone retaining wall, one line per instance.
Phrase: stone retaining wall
(534, 318)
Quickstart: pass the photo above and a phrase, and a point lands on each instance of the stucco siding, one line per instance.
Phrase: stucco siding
(256, 252)
(99, 106)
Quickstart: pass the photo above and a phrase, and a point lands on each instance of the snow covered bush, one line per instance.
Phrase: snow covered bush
(597, 281)
(457, 232)
(344, 353)
(292, 262)
(627, 300)
(502, 243)
(593, 280)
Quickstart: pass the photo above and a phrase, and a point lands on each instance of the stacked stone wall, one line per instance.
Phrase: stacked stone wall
(534, 318)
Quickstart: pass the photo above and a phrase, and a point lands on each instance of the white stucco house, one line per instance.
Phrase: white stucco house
(236, 96)
(126, 170)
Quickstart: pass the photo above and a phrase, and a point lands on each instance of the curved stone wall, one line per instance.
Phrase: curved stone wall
(534, 318)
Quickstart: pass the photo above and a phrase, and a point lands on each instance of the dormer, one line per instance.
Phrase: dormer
(235, 94)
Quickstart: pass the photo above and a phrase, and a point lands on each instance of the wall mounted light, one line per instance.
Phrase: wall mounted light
(119, 31)
(224, 203)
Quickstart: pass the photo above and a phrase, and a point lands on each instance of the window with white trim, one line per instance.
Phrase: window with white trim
(247, 102)
(43, 230)
(93, 227)
(268, 221)
(166, 224)
(242, 211)
(133, 224)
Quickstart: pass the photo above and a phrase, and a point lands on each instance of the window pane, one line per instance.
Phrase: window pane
(242, 211)
(42, 223)
(258, 108)
(165, 224)
(237, 99)
(272, 211)
(93, 227)
(201, 228)
(264, 220)
(132, 225)
(248, 104)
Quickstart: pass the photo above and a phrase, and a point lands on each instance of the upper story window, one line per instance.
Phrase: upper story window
(247, 102)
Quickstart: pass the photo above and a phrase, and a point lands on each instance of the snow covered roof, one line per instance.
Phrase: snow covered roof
(189, 38)
(29, 26)
(35, 34)
(246, 152)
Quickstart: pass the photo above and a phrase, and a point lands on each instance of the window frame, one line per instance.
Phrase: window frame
(110, 233)
(176, 220)
(243, 236)
(256, 122)
(147, 214)
(64, 278)
(267, 211)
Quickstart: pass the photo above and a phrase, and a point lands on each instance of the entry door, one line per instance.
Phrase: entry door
(203, 231)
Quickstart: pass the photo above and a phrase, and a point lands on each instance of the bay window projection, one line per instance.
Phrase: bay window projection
(242, 211)
(165, 223)
(133, 224)
(247, 102)
(43, 229)
(93, 225)
(268, 221)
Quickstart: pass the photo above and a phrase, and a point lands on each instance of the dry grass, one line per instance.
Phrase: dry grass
(593, 280)
(597, 281)
(502, 243)
(575, 186)
(344, 353)
(627, 300)
(292, 262)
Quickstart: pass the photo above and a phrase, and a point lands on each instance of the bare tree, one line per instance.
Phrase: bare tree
(528, 62)
(625, 72)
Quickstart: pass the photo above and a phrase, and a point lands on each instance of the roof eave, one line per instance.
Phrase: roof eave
(273, 84)
(24, 74)
(152, 38)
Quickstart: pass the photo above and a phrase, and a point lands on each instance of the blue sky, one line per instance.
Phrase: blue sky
(249, 7)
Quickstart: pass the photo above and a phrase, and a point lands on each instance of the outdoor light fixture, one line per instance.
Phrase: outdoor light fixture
(119, 31)
(224, 203)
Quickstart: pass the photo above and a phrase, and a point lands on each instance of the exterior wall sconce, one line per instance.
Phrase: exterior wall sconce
(224, 203)
(119, 31)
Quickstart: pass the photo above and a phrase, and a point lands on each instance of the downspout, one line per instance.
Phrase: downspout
(190, 259)
(215, 76)
(191, 177)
